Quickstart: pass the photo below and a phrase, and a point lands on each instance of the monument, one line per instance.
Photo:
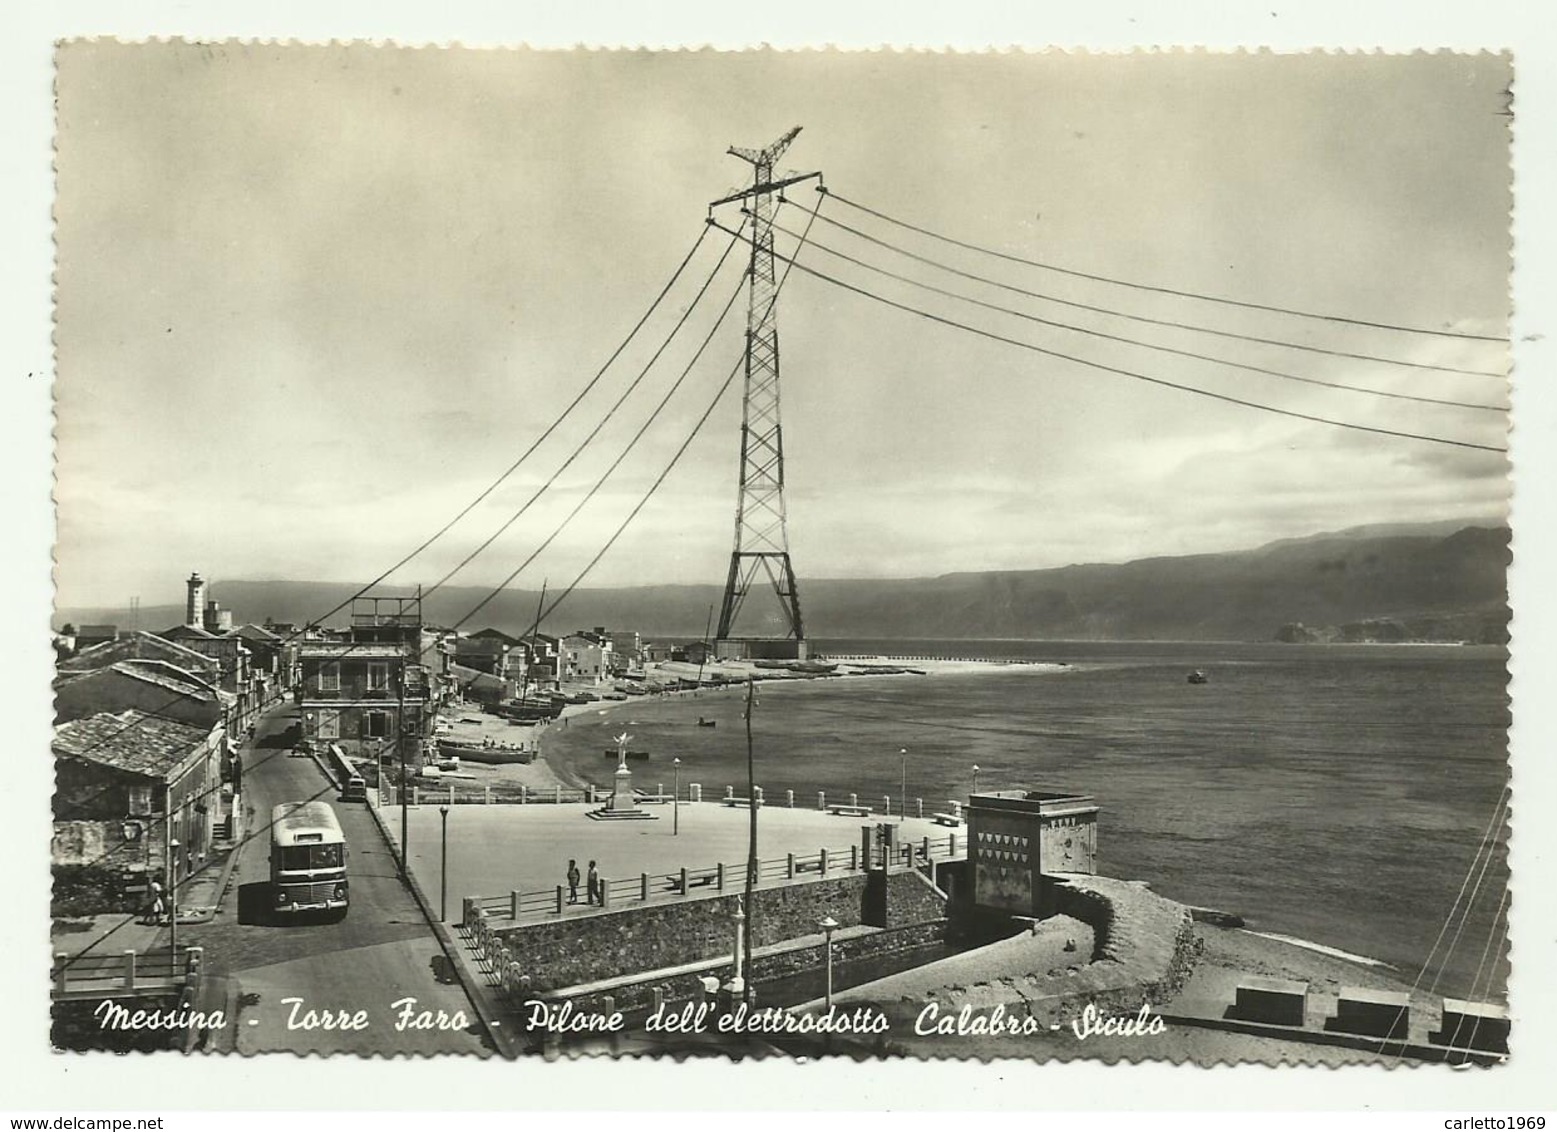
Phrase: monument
(623, 803)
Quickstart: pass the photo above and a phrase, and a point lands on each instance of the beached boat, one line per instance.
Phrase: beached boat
(476, 753)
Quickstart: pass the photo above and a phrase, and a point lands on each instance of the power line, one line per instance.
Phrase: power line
(685, 316)
(599, 483)
(1119, 338)
(1166, 290)
(1131, 373)
(224, 672)
(1167, 322)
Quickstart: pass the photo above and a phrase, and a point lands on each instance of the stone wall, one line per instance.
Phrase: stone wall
(646, 937)
(1144, 950)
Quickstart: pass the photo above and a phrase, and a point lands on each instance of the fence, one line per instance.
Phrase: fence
(124, 974)
(659, 887)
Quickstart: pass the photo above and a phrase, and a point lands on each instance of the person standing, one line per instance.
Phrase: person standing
(572, 881)
(595, 895)
(154, 908)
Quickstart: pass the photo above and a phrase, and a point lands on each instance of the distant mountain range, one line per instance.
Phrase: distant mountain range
(1441, 581)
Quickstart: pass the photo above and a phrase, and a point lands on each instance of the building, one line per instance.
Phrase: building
(1018, 840)
(235, 672)
(491, 655)
(626, 651)
(361, 696)
(586, 656)
(374, 690)
(273, 660)
(144, 646)
(90, 636)
(136, 797)
(481, 687)
(154, 687)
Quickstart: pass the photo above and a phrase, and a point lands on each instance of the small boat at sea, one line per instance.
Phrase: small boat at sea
(701, 722)
(1199, 677)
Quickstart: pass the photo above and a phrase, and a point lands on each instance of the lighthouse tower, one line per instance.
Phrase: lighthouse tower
(194, 608)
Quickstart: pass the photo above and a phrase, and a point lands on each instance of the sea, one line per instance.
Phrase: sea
(1338, 794)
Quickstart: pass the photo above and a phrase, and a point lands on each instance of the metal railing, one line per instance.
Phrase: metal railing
(659, 887)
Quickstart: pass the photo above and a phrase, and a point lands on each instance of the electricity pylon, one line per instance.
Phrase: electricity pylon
(761, 519)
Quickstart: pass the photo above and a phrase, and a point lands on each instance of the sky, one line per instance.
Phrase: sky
(313, 301)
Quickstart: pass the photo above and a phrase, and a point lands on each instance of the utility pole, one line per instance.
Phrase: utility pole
(761, 532)
(405, 849)
(751, 841)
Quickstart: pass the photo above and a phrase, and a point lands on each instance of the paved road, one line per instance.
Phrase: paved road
(380, 954)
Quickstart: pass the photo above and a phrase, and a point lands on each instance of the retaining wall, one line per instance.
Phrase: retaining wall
(610, 944)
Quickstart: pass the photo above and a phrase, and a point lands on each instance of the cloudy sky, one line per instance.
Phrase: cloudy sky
(313, 301)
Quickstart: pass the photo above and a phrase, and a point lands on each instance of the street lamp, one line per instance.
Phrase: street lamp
(903, 815)
(828, 926)
(675, 800)
(173, 900)
(975, 778)
(443, 880)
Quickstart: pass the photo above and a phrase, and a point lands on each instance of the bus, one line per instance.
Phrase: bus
(307, 859)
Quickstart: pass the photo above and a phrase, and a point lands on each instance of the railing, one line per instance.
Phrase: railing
(127, 973)
(661, 887)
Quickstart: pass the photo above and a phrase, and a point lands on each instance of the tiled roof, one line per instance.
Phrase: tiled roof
(473, 677)
(134, 645)
(186, 631)
(328, 650)
(133, 741)
(255, 633)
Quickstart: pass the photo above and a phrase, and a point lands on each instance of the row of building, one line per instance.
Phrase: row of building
(147, 727)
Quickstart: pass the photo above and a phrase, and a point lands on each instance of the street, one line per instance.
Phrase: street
(372, 982)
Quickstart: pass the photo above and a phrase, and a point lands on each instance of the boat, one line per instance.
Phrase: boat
(1199, 677)
(632, 756)
(476, 753)
(701, 722)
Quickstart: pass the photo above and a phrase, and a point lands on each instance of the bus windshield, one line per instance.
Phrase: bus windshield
(293, 857)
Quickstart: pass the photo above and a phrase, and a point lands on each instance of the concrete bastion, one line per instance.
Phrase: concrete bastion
(1142, 950)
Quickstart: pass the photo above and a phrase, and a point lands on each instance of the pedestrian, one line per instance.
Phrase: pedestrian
(572, 881)
(154, 908)
(595, 895)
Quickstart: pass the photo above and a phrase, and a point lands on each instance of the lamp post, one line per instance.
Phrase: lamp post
(828, 926)
(173, 900)
(903, 810)
(443, 877)
(975, 778)
(675, 799)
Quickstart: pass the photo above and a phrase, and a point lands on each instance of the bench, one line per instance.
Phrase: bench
(849, 811)
(741, 803)
(946, 819)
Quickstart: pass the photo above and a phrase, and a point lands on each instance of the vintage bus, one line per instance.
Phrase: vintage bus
(307, 859)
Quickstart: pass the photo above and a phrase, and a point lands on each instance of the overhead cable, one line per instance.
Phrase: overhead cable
(1183, 294)
(1131, 373)
(818, 245)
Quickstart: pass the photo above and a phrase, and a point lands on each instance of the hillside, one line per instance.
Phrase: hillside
(1430, 582)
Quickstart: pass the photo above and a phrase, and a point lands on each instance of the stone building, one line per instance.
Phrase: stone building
(130, 786)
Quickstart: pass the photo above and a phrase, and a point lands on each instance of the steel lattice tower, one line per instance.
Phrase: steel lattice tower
(761, 520)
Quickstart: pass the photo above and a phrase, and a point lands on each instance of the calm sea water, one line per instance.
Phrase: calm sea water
(1334, 793)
